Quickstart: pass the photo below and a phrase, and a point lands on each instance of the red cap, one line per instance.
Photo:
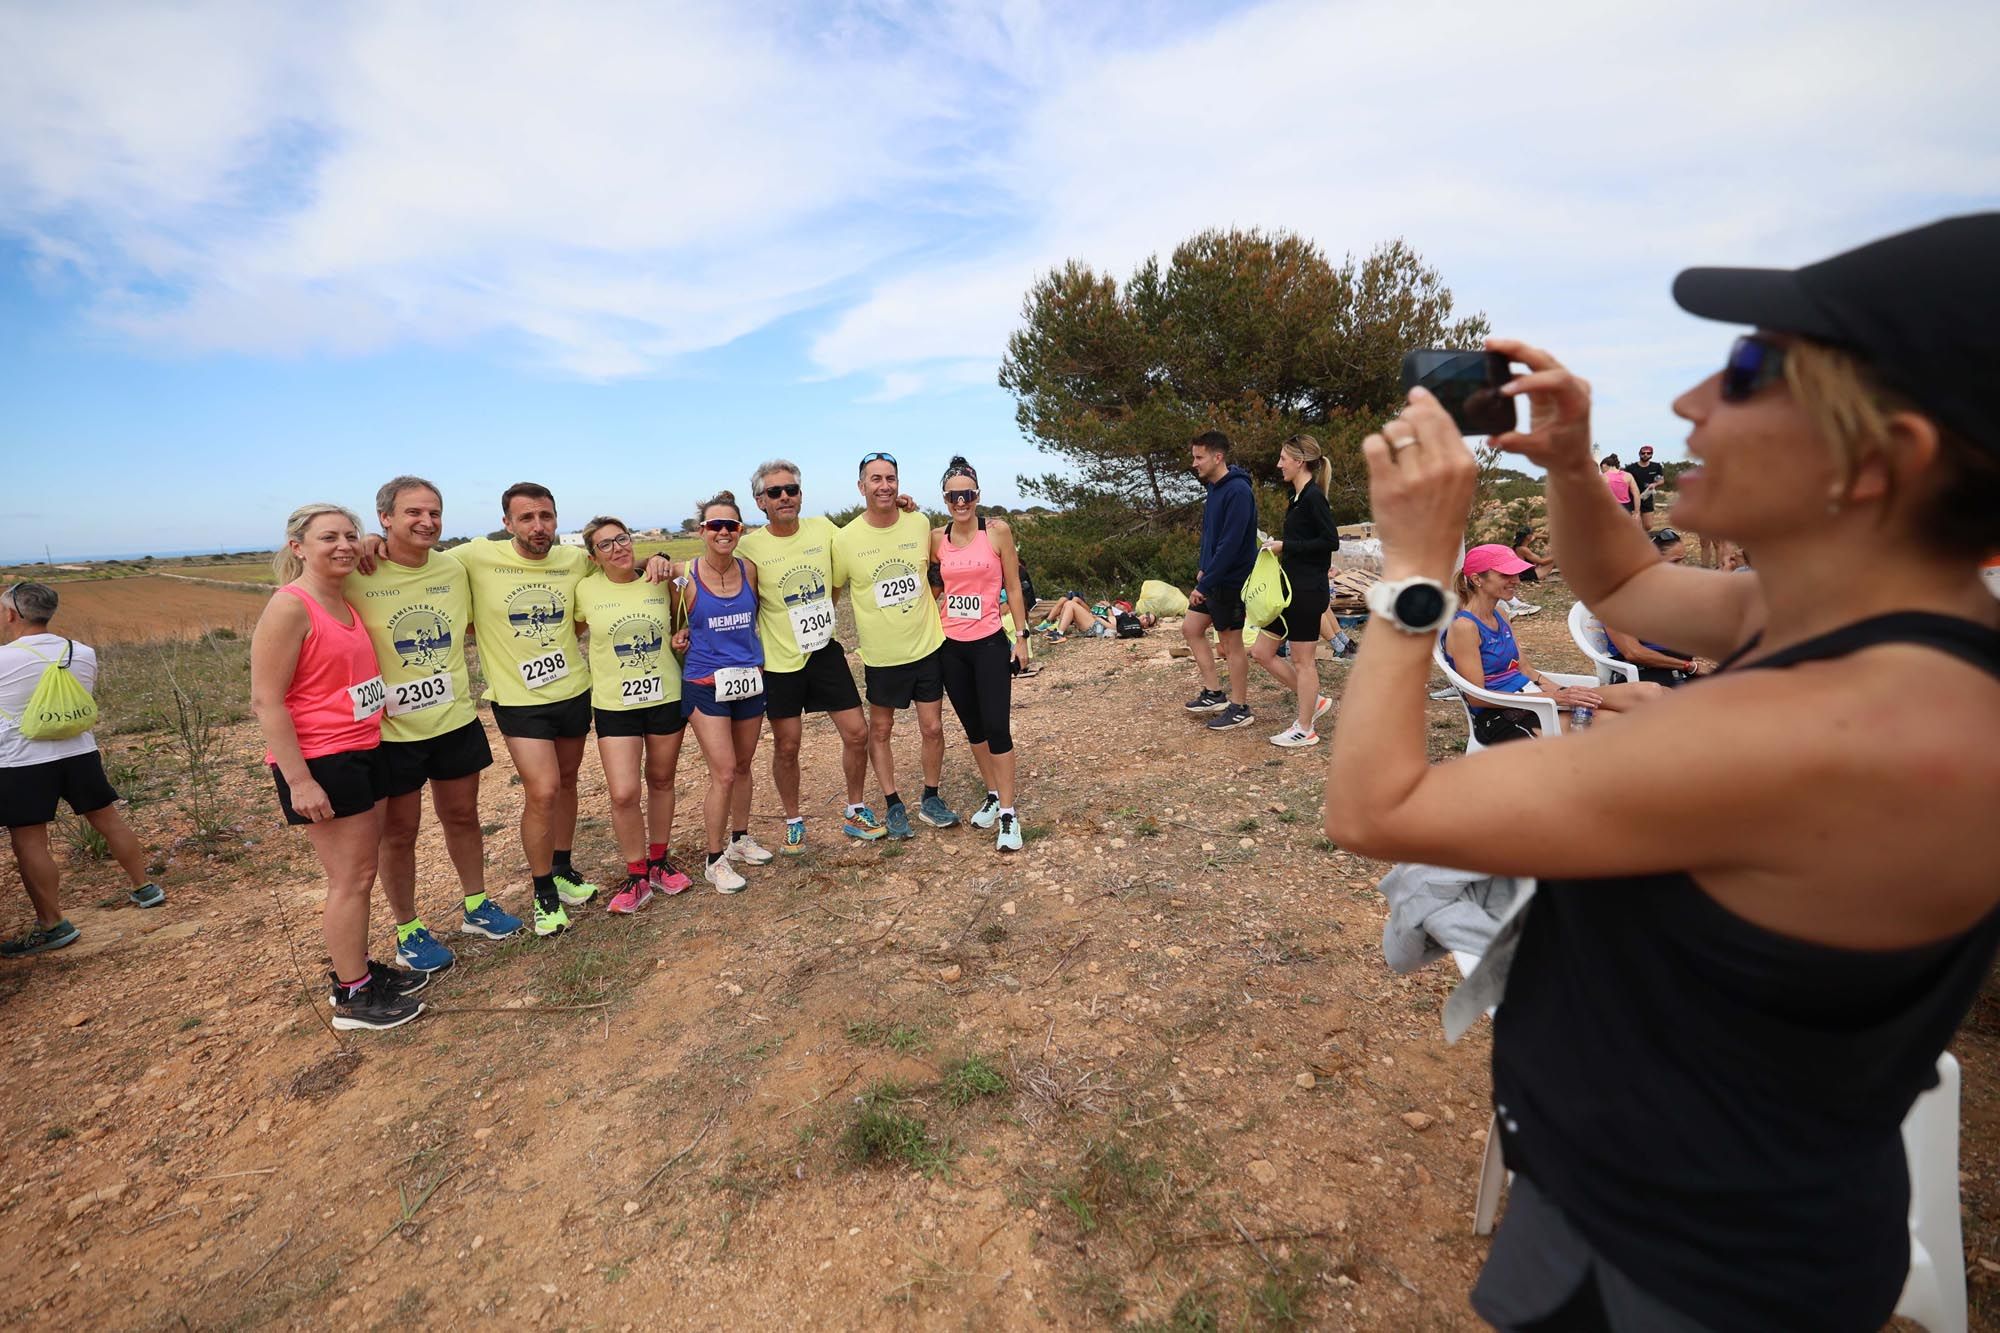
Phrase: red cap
(1493, 556)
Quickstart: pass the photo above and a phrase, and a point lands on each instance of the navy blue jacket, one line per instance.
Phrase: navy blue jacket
(1228, 534)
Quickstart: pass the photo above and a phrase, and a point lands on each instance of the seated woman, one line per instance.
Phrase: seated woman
(1481, 646)
(1661, 666)
(1539, 562)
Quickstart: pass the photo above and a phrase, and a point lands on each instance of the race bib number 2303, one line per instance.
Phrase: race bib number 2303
(414, 696)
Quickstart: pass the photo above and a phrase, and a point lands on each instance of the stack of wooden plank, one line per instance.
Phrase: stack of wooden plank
(1350, 591)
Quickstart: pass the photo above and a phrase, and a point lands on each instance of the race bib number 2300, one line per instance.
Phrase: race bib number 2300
(963, 605)
(539, 672)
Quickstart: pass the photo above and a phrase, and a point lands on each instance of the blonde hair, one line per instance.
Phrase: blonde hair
(286, 564)
(1851, 410)
(601, 521)
(1306, 450)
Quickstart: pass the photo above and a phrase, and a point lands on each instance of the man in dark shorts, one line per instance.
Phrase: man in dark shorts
(37, 774)
(1228, 550)
(805, 667)
(417, 605)
(1647, 477)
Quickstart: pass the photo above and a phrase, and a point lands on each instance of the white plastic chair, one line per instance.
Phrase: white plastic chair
(1493, 1172)
(1541, 705)
(1934, 1293)
(1588, 631)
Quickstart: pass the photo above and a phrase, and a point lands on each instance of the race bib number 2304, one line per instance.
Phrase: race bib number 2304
(812, 625)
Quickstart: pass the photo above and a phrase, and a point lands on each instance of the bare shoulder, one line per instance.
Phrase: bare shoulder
(999, 527)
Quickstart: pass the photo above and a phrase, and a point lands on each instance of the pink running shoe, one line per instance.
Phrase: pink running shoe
(638, 891)
(666, 877)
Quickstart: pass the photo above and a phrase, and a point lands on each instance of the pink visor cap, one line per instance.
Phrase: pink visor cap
(1493, 556)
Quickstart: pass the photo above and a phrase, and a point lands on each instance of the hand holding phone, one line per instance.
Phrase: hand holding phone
(1466, 385)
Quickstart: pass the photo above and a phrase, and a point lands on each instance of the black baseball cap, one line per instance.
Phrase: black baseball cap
(1918, 307)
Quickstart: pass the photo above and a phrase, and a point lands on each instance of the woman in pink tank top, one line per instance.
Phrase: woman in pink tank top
(981, 572)
(317, 692)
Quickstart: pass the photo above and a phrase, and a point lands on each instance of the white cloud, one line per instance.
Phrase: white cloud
(612, 186)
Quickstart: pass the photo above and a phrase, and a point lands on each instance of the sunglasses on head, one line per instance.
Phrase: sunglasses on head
(776, 492)
(1754, 361)
(890, 459)
(722, 524)
(960, 497)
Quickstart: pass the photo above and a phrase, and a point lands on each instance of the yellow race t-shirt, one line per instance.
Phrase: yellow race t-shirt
(794, 590)
(631, 659)
(417, 619)
(887, 572)
(524, 612)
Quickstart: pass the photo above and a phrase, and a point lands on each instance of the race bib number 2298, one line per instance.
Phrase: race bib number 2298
(550, 667)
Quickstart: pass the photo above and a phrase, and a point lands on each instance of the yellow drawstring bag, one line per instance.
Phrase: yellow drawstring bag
(60, 707)
(1160, 599)
(1267, 592)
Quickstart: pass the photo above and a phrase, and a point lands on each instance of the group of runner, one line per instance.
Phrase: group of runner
(361, 685)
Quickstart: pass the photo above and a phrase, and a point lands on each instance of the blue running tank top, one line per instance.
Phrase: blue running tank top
(722, 631)
(1499, 654)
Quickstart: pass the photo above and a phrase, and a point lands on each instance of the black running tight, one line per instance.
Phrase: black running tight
(981, 689)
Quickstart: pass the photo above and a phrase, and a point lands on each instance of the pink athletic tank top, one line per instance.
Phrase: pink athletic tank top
(332, 683)
(970, 604)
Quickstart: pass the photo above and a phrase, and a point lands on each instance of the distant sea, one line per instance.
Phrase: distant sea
(60, 558)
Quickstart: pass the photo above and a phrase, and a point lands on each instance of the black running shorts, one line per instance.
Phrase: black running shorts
(28, 794)
(825, 684)
(921, 681)
(652, 720)
(353, 781)
(561, 721)
(458, 753)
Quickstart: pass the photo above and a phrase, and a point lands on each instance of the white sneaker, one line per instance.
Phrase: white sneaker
(1521, 608)
(1291, 738)
(747, 850)
(1319, 709)
(724, 877)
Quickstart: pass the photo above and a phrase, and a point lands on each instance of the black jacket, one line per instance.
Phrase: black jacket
(1309, 536)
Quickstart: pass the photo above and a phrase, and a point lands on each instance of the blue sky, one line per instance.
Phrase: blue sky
(253, 255)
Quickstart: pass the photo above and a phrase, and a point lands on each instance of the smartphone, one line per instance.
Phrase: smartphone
(1468, 384)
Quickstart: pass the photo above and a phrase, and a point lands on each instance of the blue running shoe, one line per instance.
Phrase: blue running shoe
(936, 813)
(899, 821)
(492, 921)
(420, 952)
(861, 823)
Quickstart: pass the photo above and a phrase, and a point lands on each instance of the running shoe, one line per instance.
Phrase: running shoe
(395, 980)
(574, 892)
(1055, 636)
(40, 940)
(1231, 715)
(1295, 737)
(638, 891)
(1319, 709)
(861, 823)
(1208, 701)
(147, 895)
(936, 813)
(899, 821)
(492, 921)
(984, 816)
(550, 920)
(1521, 608)
(667, 877)
(795, 838)
(749, 851)
(374, 1007)
(724, 877)
(1009, 837)
(420, 952)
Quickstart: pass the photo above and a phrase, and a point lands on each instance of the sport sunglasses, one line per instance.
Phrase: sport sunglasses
(960, 497)
(782, 492)
(866, 459)
(722, 524)
(1754, 361)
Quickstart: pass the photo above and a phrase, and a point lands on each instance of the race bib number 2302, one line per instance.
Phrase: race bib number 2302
(368, 698)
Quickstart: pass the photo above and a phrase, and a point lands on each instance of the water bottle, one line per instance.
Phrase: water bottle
(1581, 717)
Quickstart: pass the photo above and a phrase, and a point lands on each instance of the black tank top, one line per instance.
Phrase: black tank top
(1717, 1107)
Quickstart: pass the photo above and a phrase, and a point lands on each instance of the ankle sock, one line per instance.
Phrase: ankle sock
(856, 808)
(475, 901)
(713, 857)
(1007, 810)
(352, 986)
(409, 928)
(656, 851)
(545, 892)
(559, 864)
(930, 792)
(890, 800)
(794, 819)
(738, 834)
(635, 867)
(992, 795)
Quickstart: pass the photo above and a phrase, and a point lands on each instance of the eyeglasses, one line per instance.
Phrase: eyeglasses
(782, 492)
(960, 497)
(1754, 362)
(722, 524)
(623, 539)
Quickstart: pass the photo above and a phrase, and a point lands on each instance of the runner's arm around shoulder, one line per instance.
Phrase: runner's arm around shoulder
(274, 659)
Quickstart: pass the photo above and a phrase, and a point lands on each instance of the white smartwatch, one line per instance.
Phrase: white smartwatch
(1414, 606)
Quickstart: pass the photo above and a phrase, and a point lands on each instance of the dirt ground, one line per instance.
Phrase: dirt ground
(1151, 1072)
(153, 606)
